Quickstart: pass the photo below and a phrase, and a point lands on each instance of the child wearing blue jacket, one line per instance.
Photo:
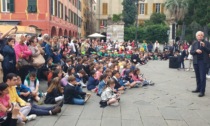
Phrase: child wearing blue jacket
(92, 82)
(102, 84)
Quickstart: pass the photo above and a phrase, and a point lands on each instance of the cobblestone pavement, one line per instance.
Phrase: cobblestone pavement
(168, 103)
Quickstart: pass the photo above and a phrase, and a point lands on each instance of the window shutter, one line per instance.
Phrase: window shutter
(32, 6)
(153, 8)
(51, 7)
(139, 8)
(12, 6)
(162, 8)
(104, 11)
(56, 7)
(146, 7)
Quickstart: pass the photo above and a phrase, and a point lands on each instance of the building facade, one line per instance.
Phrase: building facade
(148, 7)
(55, 17)
(104, 10)
(88, 17)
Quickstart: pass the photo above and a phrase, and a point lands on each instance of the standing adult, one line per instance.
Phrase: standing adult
(156, 46)
(200, 50)
(9, 62)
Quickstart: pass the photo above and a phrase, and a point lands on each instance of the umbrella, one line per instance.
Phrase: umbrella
(96, 35)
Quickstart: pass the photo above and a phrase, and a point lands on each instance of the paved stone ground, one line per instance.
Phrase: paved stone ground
(168, 103)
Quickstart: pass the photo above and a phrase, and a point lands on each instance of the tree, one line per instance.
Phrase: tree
(116, 17)
(199, 12)
(177, 8)
(149, 33)
(158, 18)
(129, 12)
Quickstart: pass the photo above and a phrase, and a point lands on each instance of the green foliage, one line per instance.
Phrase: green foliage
(158, 18)
(148, 32)
(177, 8)
(197, 18)
(129, 12)
(116, 17)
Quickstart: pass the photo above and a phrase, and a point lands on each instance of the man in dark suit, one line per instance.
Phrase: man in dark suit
(200, 50)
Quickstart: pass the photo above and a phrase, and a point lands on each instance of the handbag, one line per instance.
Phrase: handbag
(38, 61)
(22, 62)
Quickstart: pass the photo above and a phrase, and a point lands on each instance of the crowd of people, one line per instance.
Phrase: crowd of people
(68, 65)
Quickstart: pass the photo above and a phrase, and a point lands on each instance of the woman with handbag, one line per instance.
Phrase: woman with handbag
(38, 59)
(23, 57)
(9, 62)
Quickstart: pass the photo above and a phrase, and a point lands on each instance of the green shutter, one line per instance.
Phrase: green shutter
(32, 6)
(12, 6)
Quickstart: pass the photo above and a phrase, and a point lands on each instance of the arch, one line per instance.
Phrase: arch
(53, 31)
(60, 33)
(65, 33)
(69, 33)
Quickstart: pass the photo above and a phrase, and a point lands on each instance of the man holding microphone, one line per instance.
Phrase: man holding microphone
(200, 51)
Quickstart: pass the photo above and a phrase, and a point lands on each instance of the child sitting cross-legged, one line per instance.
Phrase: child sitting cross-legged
(108, 97)
(54, 93)
(23, 91)
(102, 84)
(73, 93)
(32, 82)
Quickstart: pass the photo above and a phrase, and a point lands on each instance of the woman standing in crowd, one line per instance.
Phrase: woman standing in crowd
(9, 62)
(23, 52)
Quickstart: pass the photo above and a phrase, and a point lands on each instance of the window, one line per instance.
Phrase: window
(72, 17)
(104, 9)
(103, 23)
(32, 6)
(80, 5)
(7, 6)
(157, 7)
(65, 15)
(61, 11)
(69, 15)
(54, 6)
(141, 8)
(59, 4)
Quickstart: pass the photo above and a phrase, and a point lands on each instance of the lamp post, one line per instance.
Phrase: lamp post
(136, 33)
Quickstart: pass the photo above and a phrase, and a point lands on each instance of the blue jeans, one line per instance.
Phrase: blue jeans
(78, 101)
(40, 110)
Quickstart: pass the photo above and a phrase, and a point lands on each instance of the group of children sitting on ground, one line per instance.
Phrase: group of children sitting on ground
(106, 76)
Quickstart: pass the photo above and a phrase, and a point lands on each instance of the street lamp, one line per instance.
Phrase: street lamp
(136, 33)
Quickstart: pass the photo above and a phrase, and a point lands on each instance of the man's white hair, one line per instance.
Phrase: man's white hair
(199, 32)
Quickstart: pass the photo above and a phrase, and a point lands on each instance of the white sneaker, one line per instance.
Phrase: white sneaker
(208, 76)
(187, 69)
(83, 85)
(31, 117)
